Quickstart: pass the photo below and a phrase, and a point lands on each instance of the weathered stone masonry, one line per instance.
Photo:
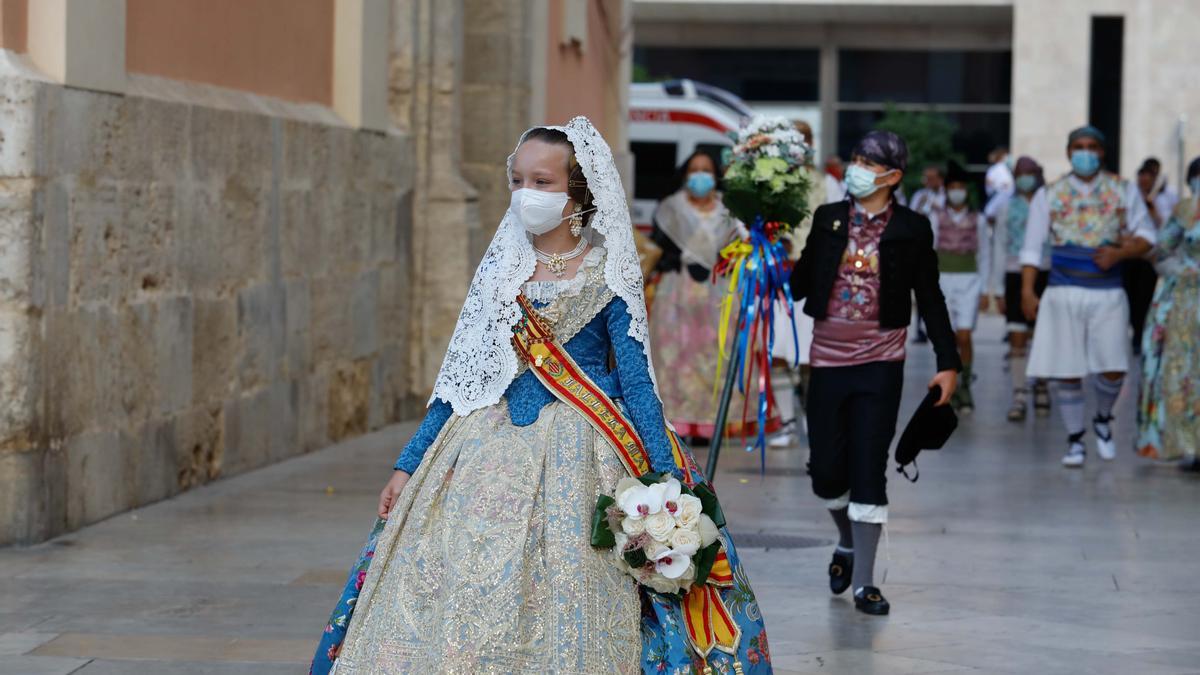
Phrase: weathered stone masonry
(187, 292)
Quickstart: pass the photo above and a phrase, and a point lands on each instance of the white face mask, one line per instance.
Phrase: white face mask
(957, 196)
(539, 211)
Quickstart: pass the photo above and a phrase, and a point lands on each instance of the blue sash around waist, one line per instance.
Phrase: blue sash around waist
(1073, 266)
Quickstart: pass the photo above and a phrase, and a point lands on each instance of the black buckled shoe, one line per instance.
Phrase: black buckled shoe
(840, 569)
(871, 601)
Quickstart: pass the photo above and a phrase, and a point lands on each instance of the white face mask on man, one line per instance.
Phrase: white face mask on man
(539, 211)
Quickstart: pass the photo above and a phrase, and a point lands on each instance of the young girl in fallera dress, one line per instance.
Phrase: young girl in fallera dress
(482, 561)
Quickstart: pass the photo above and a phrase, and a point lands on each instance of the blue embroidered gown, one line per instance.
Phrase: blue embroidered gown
(485, 563)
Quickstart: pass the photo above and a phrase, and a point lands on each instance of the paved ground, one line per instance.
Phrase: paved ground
(1000, 562)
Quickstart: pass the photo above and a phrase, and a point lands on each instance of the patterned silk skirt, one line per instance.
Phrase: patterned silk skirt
(485, 563)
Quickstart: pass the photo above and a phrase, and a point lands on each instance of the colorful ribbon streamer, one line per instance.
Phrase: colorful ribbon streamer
(758, 276)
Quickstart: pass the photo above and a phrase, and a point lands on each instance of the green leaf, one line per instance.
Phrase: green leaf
(651, 478)
(704, 560)
(709, 505)
(602, 535)
(636, 558)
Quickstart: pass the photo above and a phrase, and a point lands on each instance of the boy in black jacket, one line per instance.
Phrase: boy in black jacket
(864, 259)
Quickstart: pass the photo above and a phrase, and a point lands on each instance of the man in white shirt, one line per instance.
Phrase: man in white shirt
(932, 196)
(997, 182)
(1094, 221)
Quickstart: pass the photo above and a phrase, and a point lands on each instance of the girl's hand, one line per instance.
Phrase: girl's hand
(948, 381)
(391, 491)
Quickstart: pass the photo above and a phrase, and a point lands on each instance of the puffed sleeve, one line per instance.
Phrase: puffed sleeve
(431, 426)
(642, 404)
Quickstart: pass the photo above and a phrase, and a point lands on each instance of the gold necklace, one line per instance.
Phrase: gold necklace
(557, 262)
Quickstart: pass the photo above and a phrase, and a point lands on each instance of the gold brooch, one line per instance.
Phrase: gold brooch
(836, 225)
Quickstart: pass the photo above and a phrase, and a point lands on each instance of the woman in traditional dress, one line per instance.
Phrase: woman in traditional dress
(482, 559)
(691, 226)
(1169, 405)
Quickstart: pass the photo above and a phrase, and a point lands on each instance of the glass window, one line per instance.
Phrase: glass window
(752, 74)
(876, 76)
(654, 170)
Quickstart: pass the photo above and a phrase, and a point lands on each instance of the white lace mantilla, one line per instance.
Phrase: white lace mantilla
(480, 362)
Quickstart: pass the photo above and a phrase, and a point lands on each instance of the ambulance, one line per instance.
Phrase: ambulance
(668, 121)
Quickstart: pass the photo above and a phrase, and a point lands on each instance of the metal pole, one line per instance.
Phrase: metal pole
(714, 448)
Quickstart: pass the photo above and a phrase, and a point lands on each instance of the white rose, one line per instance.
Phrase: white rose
(633, 527)
(659, 525)
(685, 541)
(653, 548)
(689, 510)
(707, 530)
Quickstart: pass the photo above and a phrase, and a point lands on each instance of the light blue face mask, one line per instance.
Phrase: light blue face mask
(1085, 163)
(860, 181)
(1026, 183)
(700, 183)
(1194, 184)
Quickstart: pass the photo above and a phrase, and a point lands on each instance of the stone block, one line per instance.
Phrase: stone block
(260, 320)
(82, 376)
(215, 348)
(282, 421)
(225, 143)
(173, 334)
(300, 233)
(488, 58)
(153, 461)
(364, 305)
(297, 326)
(98, 477)
(136, 380)
(18, 117)
(97, 220)
(160, 130)
(22, 510)
(146, 239)
(18, 241)
(392, 302)
(199, 446)
(247, 431)
(20, 385)
(305, 148)
(55, 275)
(349, 399)
(331, 326)
(84, 133)
(221, 243)
(313, 410)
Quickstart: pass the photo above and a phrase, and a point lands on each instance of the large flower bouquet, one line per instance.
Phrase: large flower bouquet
(766, 186)
(765, 176)
(663, 533)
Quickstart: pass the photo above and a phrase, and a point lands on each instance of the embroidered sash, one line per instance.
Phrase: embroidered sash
(709, 623)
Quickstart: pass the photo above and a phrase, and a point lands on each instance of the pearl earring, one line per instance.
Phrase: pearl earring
(577, 221)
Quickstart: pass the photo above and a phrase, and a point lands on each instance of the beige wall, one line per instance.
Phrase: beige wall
(279, 48)
(13, 17)
(585, 80)
(1051, 60)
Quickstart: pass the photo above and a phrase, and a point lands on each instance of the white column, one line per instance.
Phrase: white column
(360, 62)
(80, 43)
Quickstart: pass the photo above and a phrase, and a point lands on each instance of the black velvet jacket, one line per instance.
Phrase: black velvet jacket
(908, 265)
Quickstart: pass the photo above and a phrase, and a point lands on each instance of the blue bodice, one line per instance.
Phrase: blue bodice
(607, 332)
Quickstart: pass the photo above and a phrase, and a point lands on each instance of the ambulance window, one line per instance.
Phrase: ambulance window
(653, 170)
(713, 150)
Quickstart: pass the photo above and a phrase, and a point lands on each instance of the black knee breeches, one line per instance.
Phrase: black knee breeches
(851, 421)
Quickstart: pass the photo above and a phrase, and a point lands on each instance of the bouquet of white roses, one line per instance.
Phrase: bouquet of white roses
(663, 533)
(765, 176)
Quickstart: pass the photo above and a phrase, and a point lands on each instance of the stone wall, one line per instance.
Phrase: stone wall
(187, 292)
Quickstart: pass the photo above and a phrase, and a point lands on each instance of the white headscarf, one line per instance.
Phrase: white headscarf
(480, 362)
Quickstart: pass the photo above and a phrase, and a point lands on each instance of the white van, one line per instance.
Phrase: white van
(668, 121)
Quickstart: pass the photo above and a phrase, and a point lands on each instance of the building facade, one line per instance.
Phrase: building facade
(234, 231)
(1019, 73)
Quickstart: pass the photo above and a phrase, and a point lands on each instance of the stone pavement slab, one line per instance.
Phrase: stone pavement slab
(997, 561)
